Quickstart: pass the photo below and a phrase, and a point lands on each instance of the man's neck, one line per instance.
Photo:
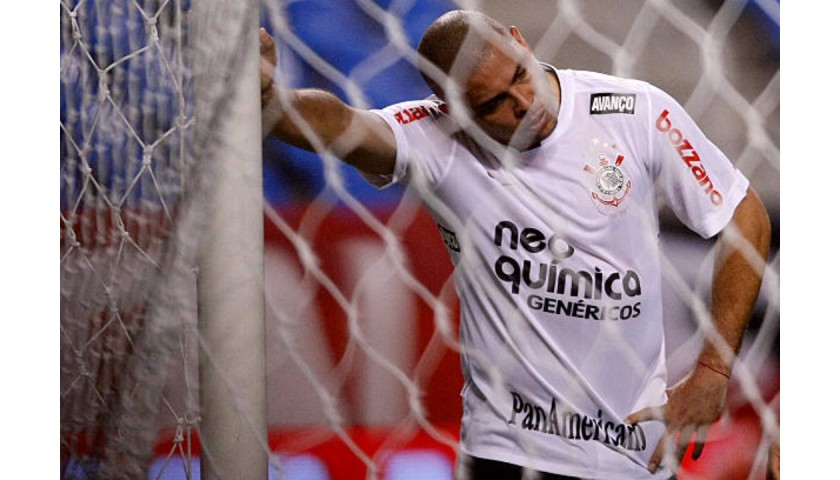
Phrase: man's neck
(554, 82)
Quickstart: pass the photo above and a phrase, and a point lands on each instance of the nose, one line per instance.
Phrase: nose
(523, 98)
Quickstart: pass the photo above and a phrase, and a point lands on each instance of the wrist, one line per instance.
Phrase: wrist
(271, 111)
(266, 93)
(718, 369)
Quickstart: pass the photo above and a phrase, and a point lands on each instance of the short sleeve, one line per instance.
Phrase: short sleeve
(696, 179)
(423, 144)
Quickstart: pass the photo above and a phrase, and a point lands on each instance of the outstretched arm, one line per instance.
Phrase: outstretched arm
(698, 401)
(316, 120)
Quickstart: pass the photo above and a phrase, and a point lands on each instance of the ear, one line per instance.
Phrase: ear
(517, 35)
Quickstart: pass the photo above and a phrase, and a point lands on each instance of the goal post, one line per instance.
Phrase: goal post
(231, 300)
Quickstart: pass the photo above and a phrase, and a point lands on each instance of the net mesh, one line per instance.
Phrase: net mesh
(135, 151)
(353, 373)
(124, 121)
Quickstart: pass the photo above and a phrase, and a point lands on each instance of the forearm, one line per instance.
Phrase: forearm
(306, 118)
(318, 121)
(697, 401)
(742, 251)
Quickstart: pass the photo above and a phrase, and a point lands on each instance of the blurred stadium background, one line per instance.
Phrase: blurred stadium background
(719, 58)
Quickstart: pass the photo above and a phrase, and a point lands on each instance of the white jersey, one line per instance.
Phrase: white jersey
(558, 268)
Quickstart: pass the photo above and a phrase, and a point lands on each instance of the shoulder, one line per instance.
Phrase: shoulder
(422, 124)
(428, 110)
(589, 81)
(424, 135)
(605, 93)
(602, 96)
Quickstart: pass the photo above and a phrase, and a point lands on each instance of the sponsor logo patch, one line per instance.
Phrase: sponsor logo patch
(531, 264)
(561, 421)
(603, 103)
(690, 157)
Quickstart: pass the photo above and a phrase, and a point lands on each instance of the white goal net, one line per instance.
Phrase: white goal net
(161, 239)
(360, 353)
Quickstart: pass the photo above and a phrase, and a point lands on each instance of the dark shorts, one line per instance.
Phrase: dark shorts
(483, 469)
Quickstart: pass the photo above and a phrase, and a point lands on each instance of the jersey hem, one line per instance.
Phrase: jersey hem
(548, 467)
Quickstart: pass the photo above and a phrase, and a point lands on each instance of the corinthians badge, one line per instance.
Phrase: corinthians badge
(610, 185)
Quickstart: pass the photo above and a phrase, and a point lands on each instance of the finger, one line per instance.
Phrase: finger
(656, 458)
(649, 413)
(686, 432)
(699, 442)
(268, 49)
(265, 82)
(266, 41)
(683, 441)
(671, 452)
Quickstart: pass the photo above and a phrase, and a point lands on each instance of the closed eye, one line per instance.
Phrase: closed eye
(490, 106)
(520, 74)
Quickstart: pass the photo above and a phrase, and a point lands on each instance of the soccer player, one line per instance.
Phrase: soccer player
(544, 183)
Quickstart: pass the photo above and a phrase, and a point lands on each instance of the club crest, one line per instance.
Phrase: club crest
(610, 184)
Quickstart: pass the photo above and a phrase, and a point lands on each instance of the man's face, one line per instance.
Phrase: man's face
(501, 93)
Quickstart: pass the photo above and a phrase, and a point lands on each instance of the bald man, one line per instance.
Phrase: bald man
(544, 183)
